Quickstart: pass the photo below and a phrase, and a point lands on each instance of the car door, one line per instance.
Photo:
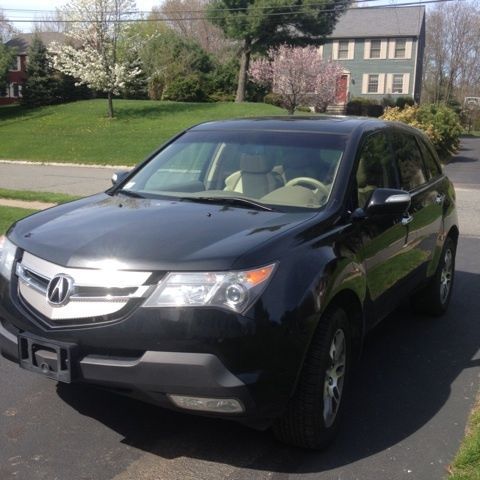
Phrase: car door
(423, 221)
(383, 239)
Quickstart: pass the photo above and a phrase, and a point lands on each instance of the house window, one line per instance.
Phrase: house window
(15, 65)
(400, 48)
(397, 83)
(372, 83)
(16, 90)
(343, 49)
(3, 92)
(375, 46)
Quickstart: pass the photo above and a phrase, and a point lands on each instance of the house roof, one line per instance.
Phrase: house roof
(24, 40)
(367, 22)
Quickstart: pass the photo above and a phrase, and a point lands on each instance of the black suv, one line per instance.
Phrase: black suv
(236, 271)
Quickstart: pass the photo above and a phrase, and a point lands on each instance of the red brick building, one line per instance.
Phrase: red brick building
(17, 73)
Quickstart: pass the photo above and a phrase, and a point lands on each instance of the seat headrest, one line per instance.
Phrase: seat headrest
(254, 163)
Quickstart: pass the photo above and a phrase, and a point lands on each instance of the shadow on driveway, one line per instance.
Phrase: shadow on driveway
(402, 381)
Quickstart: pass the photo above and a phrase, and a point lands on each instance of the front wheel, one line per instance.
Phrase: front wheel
(313, 414)
(435, 297)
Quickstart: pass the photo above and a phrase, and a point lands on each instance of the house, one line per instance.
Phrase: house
(381, 50)
(17, 73)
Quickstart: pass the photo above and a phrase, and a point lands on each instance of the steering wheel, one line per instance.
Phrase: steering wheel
(316, 185)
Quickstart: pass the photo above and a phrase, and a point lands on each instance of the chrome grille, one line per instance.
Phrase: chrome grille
(96, 293)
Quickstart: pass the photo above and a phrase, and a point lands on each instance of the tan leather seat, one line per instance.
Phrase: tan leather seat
(255, 177)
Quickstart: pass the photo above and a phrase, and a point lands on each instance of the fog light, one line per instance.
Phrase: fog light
(219, 405)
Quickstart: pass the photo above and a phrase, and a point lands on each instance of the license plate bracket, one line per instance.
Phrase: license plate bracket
(50, 359)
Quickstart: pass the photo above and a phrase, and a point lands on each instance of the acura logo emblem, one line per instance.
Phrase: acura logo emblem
(59, 290)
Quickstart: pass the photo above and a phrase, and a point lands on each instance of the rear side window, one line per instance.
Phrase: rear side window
(409, 161)
(375, 167)
(431, 163)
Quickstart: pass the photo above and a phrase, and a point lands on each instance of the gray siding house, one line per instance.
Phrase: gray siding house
(381, 50)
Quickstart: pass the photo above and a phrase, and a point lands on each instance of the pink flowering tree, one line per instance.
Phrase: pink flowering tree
(299, 76)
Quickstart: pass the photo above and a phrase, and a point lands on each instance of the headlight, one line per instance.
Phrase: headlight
(233, 290)
(7, 256)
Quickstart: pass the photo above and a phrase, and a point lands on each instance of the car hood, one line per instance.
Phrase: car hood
(146, 234)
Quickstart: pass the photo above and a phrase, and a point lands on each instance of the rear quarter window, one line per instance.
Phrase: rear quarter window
(409, 161)
(433, 167)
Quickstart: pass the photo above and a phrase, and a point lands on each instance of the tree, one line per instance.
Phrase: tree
(167, 57)
(187, 18)
(452, 55)
(263, 24)
(299, 76)
(93, 56)
(7, 56)
(6, 29)
(40, 87)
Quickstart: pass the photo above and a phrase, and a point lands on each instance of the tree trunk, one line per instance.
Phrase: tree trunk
(242, 75)
(110, 105)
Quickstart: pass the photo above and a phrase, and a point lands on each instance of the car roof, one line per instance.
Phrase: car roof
(320, 123)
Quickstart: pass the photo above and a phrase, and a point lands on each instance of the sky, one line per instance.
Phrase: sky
(142, 5)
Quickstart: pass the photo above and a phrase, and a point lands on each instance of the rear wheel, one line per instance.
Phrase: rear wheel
(314, 412)
(435, 297)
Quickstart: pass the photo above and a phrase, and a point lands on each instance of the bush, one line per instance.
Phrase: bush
(439, 122)
(388, 101)
(273, 99)
(186, 89)
(364, 107)
(374, 110)
(402, 102)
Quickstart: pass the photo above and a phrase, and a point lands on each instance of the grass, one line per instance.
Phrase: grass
(8, 215)
(466, 465)
(80, 132)
(29, 196)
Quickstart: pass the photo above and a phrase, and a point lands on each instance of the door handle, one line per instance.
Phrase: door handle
(439, 199)
(406, 219)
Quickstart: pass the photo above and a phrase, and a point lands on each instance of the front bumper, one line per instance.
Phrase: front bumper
(155, 375)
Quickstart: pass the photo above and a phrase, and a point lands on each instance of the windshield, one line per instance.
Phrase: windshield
(293, 169)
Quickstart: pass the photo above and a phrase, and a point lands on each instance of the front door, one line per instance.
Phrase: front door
(341, 91)
(383, 239)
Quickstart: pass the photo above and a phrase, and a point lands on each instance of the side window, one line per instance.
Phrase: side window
(375, 167)
(409, 161)
(431, 163)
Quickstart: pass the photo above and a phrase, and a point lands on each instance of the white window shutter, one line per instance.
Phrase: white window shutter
(389, 85)
(335, 50)
(408, 49)
(365, 83)
(383, 49)
(351, 49)
(391, 49)
(406, 83)
(366, 49)
(381, 83)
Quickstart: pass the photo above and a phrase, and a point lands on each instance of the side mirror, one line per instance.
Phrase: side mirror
(388, 201)
(118, 177)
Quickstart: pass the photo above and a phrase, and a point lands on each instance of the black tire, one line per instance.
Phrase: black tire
(305, 423)
(432, 300)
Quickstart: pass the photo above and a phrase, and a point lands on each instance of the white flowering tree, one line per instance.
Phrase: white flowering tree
(299, 76)
(91, 57)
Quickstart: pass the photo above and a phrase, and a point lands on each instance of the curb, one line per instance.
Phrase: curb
(60, 164)
(30, 205)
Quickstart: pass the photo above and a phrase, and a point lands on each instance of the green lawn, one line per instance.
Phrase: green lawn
(466, 465)
(80, 131)
(29, 196)
(8, 215)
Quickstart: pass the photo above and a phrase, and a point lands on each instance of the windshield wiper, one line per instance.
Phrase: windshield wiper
(129, 193)
(239, 201)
